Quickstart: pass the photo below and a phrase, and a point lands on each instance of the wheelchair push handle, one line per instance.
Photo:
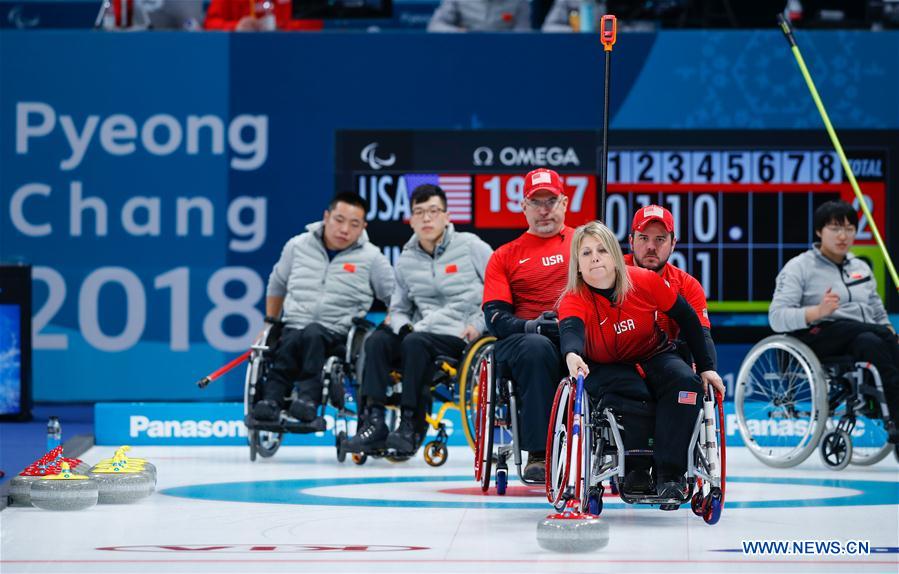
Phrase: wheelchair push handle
(204, 382)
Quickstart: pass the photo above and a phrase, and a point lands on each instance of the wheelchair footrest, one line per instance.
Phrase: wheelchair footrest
(286, 425)
(651, 499)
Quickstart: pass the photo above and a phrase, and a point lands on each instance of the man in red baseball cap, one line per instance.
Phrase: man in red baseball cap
(524, 279)
(652, 241)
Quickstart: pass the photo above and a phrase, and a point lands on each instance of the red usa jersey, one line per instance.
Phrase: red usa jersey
(529, 272)
(626, 333)
(683, 284)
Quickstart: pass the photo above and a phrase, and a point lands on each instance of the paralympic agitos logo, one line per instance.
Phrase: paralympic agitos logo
(369, 156)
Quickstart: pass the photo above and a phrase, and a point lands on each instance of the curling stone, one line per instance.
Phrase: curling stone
(122, 483)
(120, 462)
(49, 464)
(571, 531)
(147, 465)
(121, 457)
(64, 491)
(20, 489)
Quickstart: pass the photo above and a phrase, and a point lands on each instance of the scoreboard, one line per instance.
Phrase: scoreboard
(740, 214)
(742, 200)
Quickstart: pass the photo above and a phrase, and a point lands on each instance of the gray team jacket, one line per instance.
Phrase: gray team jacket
(441, 294)
(332, 292)
(481, 16)
(806, 277)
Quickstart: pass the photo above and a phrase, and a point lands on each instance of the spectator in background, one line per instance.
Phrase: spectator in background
(152, 14)
(481, 16)
(565, 16)
(237, 15)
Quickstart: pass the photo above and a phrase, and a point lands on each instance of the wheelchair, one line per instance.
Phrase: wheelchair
(789, 402)
(265, 437)
(584, 447)
(493, 406)
(450, 374)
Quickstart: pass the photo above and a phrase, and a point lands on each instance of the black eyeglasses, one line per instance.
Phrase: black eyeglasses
(432, 212)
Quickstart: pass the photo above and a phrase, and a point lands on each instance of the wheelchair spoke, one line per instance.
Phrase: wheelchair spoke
(778, 386)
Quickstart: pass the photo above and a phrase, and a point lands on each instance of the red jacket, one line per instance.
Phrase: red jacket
(224, 15)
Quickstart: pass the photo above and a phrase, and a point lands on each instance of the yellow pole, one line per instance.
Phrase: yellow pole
(788, 32)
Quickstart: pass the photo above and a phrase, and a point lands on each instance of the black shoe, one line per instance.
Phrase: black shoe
(303, 410)
(373, 434)
(535, 469)
(892, 433)
(675, 488)
(266, 410)
(403, 439)
(639, 481)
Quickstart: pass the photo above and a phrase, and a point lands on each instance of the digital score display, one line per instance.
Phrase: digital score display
(742, 201)
(740, 215)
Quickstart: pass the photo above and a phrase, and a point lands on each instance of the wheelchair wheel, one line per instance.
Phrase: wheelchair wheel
(486, 418)
(836, 449)
(267, 443)
(338, 443)
(502, 481)
(469, 369)
(585, 446)
(869, 438)
(251, 440)
(436, 453)
(869, 435)
(781, 401)
(355, 357)
(558, 444)
(594, 500)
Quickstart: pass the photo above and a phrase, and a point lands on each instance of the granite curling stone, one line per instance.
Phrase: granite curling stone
(64, 491)
(122, 483)
(49, 464)
(572, 532)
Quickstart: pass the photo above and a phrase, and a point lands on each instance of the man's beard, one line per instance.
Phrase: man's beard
(545, 227)
(656, 268)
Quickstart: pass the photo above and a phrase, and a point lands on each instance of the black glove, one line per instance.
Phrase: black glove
(546, 325)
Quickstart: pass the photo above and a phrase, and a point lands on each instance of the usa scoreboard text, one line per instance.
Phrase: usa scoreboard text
(740, 212)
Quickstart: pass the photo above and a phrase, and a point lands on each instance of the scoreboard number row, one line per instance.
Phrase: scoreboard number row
(507, 192)
(724, 167)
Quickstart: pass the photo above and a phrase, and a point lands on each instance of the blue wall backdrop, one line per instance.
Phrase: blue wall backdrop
(152, 179)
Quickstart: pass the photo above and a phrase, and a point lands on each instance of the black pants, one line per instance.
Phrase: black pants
(300, 356)
(864, 342)
(415, 354)
(535, 364)
(669, 382)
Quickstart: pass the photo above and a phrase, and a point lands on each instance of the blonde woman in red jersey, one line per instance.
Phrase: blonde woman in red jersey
(525, 278)
(609, 331)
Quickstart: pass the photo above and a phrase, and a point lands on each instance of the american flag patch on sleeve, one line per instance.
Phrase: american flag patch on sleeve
(686, 398)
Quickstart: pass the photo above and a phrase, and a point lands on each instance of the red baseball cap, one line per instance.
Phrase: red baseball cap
(650, 213)
(542, 179)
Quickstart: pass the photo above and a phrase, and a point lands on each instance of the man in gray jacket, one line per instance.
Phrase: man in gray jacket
(827, 297)
(481, 16)
(324, 278)
(435, 310)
